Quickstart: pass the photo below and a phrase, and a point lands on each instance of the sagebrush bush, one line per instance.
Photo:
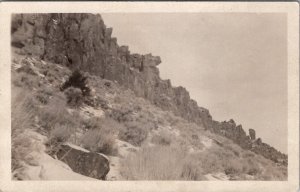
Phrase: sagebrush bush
(55, 112)
(233, 167)
(100, 122)
(192, 170)
(279, 173)
(252, 166)
(160, 163)
(210, 162)
(23, 109)
(232, 147)
(124, 114)
(26, 68)
(247, 154)
(101, 135)
(134, 133)
(43, 95)
(61, 133)
(22, 118)
(163, 138)
(74, 96)
(100, 140)
(25, 80)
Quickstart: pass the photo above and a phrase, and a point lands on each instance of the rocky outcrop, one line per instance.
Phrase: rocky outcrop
(238, 135)
(83, 162)
(82, 41)
(252, 134)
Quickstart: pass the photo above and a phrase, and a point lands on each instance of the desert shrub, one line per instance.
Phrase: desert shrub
(210, 163)
(61, 133)
(42, 98)
(122, 114)
(232, 147)
(216, 159)
(58, 135)
(100, 140)
(161, 121)
(55, 112)
(74, 96)
(91, 123)
(253, 171)
(25, 80)
(43, 95)
(233, 167)
(97, 101)
(118, 99)
(248, 154)
(107, 123)
(23, 145)
(22, 118)
(274, 173)
(78, 80)
(191, 170)
(134, 132)
(160, 163)
(253, 167)
(195, 137)
(23, 109)
(26, 68)
(172, 119)
(101, 135)
(163, 138)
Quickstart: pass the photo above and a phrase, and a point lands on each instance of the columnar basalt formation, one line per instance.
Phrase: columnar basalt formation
(82, 41)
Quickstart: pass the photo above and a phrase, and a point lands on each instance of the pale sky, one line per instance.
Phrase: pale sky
(234, 64)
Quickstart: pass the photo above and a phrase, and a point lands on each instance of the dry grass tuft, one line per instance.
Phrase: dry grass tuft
(134, 132)
(163, 138)
(160, 163)
(55, 113)
(101, 136)
(23, 112)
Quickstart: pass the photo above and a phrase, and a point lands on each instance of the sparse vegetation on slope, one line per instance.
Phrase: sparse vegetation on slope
(22, 119)
(148, 129)
(161, 163)
(136, 121)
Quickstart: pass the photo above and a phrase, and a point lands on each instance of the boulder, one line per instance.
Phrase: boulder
(84, 162)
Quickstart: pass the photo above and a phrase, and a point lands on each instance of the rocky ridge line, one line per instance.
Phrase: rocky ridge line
(83, 41)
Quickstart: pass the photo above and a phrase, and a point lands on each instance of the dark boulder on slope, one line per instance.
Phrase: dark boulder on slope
(85, 163)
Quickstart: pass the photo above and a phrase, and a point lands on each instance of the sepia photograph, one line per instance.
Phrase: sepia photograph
(151, 96)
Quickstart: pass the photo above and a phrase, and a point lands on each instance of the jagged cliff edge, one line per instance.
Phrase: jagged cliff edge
(80, 40)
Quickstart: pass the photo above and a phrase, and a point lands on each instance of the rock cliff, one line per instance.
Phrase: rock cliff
(82, 41)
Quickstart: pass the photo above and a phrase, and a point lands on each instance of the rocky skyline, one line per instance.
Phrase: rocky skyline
(227, 62)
